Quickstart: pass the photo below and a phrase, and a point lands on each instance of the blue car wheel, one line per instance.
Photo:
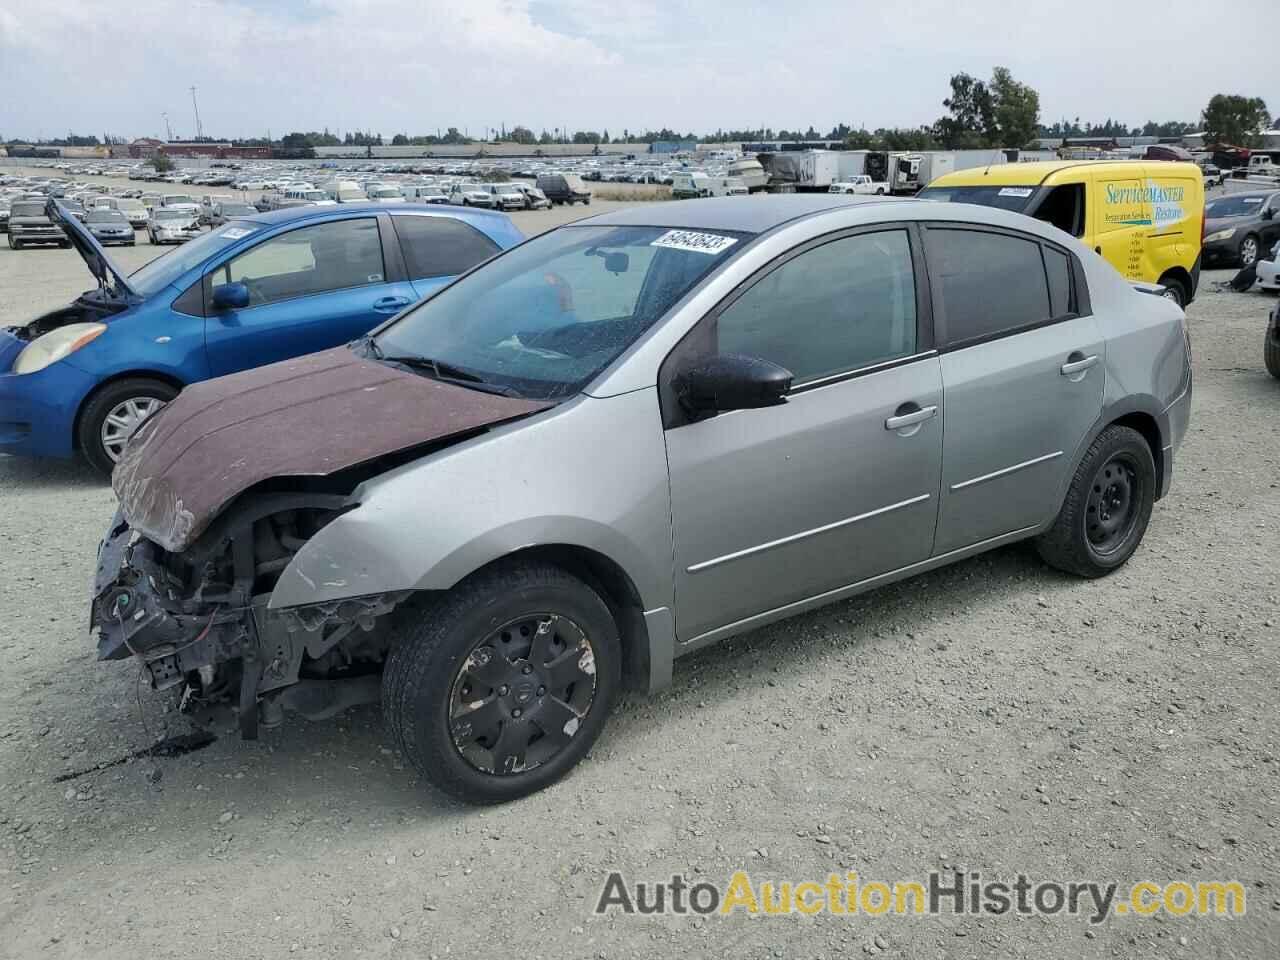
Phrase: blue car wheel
(112, 414)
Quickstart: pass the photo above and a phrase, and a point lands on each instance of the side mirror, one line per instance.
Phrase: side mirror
(731, 381)
(1268, 213)
(230, 296)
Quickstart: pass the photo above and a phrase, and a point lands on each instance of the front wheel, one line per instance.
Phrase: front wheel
(114, 412)
(1249, 251)
(15, 244)
(1107, 507)
(498, 688)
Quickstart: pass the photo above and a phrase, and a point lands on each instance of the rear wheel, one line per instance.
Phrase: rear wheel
(1107, 507)
(15, 244)
(1174, 290)
(114, 412)
(501, 686)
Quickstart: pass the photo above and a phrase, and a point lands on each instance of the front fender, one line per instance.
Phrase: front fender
(591, 473)
(352, 556)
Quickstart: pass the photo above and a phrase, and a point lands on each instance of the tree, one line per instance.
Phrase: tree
(859, 140)
(545, 138)
(522, 135)
(1233, 119)
(972, 120)
(400, 140)
(160, 163)
(1017, 110)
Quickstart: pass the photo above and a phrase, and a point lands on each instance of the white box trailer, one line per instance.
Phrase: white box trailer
(936, 163)
(803, 170)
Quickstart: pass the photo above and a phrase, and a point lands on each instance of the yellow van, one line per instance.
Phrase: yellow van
(1145, 217)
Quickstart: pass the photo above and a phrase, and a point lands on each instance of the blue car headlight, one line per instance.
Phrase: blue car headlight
(55, 345)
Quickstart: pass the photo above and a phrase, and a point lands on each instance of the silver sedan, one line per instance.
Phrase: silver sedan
(624, 440)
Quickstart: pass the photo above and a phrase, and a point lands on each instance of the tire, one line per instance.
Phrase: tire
(428, 672)
(15, 244)
(1120, 460)
(1249, 250)
(93, 415)
(1175, 291)
(1271, 345)
(65, 244)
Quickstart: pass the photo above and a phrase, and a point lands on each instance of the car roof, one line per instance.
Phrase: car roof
(1037, 172)
(294, 214)
(751, 215)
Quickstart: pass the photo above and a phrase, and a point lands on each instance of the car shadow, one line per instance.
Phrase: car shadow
(350, 759)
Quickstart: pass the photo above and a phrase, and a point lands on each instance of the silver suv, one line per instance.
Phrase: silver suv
(626, 439)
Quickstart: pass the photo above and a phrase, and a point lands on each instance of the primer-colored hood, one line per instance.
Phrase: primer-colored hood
(310, 416)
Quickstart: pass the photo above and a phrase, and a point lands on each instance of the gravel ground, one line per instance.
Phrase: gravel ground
(994, 716)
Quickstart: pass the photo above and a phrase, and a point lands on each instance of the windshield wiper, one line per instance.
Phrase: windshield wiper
(444, 371)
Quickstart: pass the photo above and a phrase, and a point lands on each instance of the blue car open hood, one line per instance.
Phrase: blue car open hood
(103, 268)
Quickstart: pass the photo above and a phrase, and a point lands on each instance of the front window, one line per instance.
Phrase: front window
(162, 271)
(1005, 198)
(547, 317)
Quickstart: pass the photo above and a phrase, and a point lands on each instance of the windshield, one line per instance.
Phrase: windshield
(236, 210)
(1006, 198)
(547, 317)
(27, 210)
(177, 198)
(1237, 206)
(315, 195)
(104, 216)
(162, 271)
(384, 192)
(163, 214)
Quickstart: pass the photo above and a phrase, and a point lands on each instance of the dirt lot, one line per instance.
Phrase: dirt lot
(995, 716)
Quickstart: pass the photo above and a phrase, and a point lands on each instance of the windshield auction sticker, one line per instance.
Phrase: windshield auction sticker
(235, 233)
(709, 243)
(1015, 191)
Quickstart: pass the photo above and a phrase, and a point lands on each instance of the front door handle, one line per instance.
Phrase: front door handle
(906, 417)
(390, 304)
(1078, 363)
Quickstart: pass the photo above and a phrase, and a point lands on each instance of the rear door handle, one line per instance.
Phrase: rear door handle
(910, 418)
(1078, 365)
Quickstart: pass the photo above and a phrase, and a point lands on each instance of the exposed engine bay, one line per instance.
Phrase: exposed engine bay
(199, 619)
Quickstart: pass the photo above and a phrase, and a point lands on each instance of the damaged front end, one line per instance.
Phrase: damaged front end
(200, 619)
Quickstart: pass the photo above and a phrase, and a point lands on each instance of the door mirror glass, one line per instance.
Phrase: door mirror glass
(230, 296)
(731, 381)
(1268, 213)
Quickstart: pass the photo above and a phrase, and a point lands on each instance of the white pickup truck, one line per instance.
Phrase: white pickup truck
(860, 184)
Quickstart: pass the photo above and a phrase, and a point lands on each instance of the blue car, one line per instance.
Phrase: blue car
(252, 291)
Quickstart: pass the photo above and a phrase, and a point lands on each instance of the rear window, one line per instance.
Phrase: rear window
(970, 264)
(441, 246)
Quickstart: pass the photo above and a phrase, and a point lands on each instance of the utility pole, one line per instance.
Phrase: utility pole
(196, 107)
(168, 130)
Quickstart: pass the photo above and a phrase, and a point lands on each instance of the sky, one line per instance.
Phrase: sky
(416, 66)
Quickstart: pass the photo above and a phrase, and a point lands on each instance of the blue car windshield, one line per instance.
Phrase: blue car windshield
(545, 318)
(164, 270)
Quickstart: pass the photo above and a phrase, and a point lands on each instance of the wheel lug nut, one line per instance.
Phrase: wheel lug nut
(541, 691)
(527, 669)
(516, 712)
(502, 690)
